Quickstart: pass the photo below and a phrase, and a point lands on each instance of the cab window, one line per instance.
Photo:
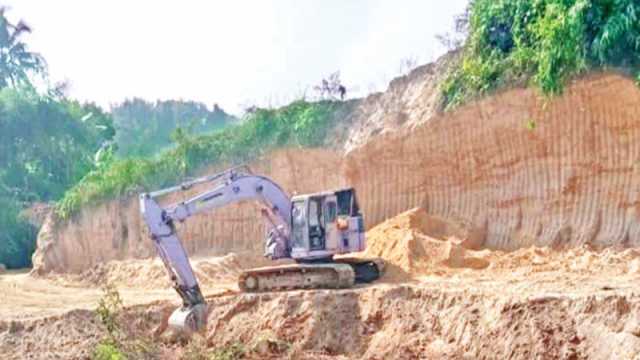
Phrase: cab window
(299, 223)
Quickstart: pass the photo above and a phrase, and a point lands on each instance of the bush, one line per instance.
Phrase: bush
(543, 42)
(301, 123)
(109, 307)
(108, 351)
(119, 342)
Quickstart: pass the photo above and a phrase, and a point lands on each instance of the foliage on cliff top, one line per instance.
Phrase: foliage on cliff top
(301, 123)
(541, 42)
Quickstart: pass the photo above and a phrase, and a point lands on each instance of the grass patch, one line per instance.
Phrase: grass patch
(301, 123)
(541, 43)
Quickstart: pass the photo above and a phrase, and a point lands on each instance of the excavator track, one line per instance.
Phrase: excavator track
(340, 274)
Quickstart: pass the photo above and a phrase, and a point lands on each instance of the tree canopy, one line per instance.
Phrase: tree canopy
(543, 43)
(47, 142)
(144, 128)
(46, 146)
(16, 61)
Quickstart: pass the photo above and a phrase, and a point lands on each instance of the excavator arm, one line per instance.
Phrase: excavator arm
(230, 186)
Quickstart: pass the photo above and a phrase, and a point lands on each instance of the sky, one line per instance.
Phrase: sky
(235, 53)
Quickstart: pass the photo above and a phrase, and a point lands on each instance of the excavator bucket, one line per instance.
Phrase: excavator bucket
(189, 319)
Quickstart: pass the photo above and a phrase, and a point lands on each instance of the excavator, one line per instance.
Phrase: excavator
(309, 229)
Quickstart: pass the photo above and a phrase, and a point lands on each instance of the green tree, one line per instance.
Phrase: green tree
(16, 61)
(46, 146)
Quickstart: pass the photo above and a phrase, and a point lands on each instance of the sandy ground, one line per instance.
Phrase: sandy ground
(23, 296)
(439, 298)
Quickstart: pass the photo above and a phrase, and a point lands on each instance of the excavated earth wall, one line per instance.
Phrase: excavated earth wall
(530, 170)
(526, 169)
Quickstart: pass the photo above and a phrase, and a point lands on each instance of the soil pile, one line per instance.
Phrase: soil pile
(415, 243)
(151, 273)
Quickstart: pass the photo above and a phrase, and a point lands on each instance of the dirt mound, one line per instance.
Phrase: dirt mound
(415, 243)
(69, 336)
(394, 322)
(583, 260)
(151, 273)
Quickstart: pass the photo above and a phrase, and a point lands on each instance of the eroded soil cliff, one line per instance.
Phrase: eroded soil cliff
(532, 170)
(527, 169)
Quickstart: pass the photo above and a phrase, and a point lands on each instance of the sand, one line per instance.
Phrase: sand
(415, 244)
(441, 297)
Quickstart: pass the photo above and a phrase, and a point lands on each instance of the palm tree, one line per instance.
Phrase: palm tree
(16, 62)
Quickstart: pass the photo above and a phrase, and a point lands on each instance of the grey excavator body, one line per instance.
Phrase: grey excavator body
(309, 229)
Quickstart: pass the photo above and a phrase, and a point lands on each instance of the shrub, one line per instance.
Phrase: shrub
(108, 351)
(119, 343)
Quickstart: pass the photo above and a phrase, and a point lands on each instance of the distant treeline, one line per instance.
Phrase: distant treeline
(144, 128)
(49, 143)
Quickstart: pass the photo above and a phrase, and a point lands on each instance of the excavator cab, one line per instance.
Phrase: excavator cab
(325, 224)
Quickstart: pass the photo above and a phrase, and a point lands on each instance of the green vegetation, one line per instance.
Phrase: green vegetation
(144, 128)
(109, 308)
(542, 42)
(107, 351)
(119, 344)
(231, 352)
(17, 63)
(299, 124)
(47, 144)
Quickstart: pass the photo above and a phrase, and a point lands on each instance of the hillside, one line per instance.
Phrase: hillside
(527, 169)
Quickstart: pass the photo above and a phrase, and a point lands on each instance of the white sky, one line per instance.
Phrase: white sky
(234, 52)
